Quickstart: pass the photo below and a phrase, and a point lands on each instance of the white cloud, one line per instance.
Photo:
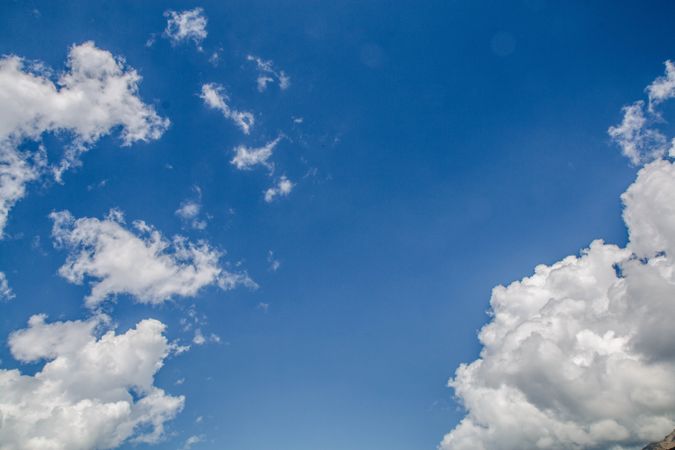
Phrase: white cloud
(96, 94)
(268, 74)
(637, 134)
(92, 392)
(214, 96)
(638, 141)
(272, 261)
(191, 441)
(186, 25)
(6, 292)
(579, 355)
(663, 88)
(137, 261)
(245, 158)
(189, 211)
(200, 339)
(282, 189)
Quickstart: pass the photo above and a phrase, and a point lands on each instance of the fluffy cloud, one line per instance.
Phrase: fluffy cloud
(245, 158)
(282, 189)
(214, 96)
(136, 260)
(637, 134)
(6, 292)
(93, 392)
(267, 74)
(663, 88)
(186, 25)
(96, 94)
(580, 355)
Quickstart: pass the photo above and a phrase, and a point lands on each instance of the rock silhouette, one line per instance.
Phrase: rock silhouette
(667, 443)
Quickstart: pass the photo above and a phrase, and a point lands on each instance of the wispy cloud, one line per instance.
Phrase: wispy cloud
(246, 158)
(215, 97)
(268, 74)
(189, 25)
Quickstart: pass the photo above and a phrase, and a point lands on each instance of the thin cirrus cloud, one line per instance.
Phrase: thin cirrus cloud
(579, 355)
(137, 260)
(637, 134)
(94, 390)
(6, 292)
(214, 96)
(189, 25)
(268, 74)
(96, 94)
(190, 212)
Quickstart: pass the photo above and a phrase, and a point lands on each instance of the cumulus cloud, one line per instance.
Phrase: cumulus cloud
(215, 97)
(93, 391)
(282, 189)
(6, 292)
(246, 158)
(268, 74)
(137, 260)
(96, 94)
(580, 354)
(189, 25)
(637, 134)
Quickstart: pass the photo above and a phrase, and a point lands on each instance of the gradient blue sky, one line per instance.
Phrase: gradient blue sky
(446, 147)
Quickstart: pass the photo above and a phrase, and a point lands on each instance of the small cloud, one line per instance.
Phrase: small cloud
(199, 338)
(215, 97)
(268, 74)
(6, 292)
(192, 440)
(190, 212)
(282, 189)
(264, 307)
(214, 59)
(245, 158)
(274, 263)
(100, 185)
(637, 134)
(186, 25)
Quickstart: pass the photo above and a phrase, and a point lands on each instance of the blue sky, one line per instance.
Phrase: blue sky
(444, 148)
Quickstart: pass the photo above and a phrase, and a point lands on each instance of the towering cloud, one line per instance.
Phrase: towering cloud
(96, 94)
(136, 260)
(580, 354)
(93, 392)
